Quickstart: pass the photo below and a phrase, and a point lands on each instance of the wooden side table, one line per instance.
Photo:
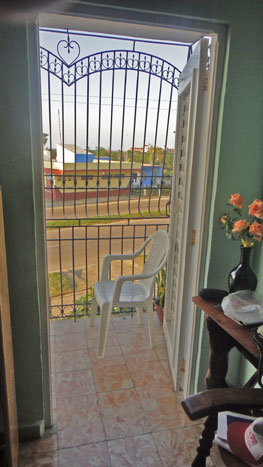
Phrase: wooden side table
(224, 334)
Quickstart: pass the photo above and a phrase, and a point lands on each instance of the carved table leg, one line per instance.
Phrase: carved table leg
(206, 441)
(220, 345)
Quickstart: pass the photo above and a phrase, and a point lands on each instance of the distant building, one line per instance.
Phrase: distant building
(150, 177)
(68, 155)
(145, 149)
(46, 153)
(80, 175)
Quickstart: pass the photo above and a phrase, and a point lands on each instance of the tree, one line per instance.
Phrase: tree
(103, 152)
(44, 138)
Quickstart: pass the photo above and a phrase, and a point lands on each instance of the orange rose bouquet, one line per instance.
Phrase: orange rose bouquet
(248, 232)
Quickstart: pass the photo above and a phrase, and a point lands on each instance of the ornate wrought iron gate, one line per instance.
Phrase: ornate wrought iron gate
(109, 120)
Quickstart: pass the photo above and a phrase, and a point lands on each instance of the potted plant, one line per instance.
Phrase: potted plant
(160, 297)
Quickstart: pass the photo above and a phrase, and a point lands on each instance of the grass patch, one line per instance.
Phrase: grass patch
(83, 303)
(100, 220)
(54, 280)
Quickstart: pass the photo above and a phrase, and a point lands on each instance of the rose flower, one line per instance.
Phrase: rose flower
(240, 225)
(256, 230)
(237, 200)
(223, 219)
(256, 209)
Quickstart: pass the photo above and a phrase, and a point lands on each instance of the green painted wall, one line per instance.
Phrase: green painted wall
(21, 180)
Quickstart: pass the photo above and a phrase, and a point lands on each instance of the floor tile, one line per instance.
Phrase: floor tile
(52, 365)
(45, 444)
(114, 427)
(162, 407)
(158, 340)
(146, 373)
(157, 324)
(72, 360)
(128, 321)
(91, 329)
(112, 378)
(166, 366)
(113, 356)
(93, 339)
(133, 336)
(52, 342)
(54, 393)
(161, 351)
(89, 455)
(67, 326)
(79, 421)
(215, 456)
(47, 459)
(135, 451)
(178, 447)
(65, 342)
(143, 351)
(122, 414)
(79, 382)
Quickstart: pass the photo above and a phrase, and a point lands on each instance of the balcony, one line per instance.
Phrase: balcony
(108, 137)
(121, 411)
(105, 193)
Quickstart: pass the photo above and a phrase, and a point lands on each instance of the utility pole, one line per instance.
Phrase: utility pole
(59, 128)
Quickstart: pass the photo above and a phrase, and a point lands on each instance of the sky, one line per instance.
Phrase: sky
(111, 127)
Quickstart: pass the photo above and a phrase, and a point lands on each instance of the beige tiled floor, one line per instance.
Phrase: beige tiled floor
(121, 411)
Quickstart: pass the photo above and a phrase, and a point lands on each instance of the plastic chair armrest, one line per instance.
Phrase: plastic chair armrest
(121, 279)
(109, 258)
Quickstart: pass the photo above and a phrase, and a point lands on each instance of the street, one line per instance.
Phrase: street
(94, 242)
(78, 252)
(92, 209)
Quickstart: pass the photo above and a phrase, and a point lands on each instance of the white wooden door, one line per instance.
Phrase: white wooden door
(186, 184)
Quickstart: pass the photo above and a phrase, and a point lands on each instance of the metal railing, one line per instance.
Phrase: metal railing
(75, 256)
(100, 199)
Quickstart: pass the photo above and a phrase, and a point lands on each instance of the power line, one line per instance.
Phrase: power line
(108, 97)
(106, 105)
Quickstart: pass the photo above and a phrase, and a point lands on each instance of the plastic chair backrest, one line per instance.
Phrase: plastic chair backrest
(156, 258)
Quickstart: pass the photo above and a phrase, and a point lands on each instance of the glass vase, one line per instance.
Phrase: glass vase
(242, 277)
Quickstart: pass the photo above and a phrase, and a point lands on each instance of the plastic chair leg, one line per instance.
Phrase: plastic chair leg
(94, 306)
(149, 314)
(139, 311)
(104, 326)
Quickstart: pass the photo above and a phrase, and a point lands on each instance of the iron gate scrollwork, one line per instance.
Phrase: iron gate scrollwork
(103, 184)
(106, 60)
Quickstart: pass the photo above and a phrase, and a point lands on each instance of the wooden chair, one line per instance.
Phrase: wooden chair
(208, 404)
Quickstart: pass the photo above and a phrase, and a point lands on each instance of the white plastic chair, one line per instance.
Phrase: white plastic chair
(124, 292)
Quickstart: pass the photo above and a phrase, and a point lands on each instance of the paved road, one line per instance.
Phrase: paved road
(104, 209)
(94, 242)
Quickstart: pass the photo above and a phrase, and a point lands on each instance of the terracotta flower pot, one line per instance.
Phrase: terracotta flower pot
(159, 312)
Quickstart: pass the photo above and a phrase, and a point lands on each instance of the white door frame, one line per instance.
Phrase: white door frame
(193, 323)
(183, 206)
(118, 15)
